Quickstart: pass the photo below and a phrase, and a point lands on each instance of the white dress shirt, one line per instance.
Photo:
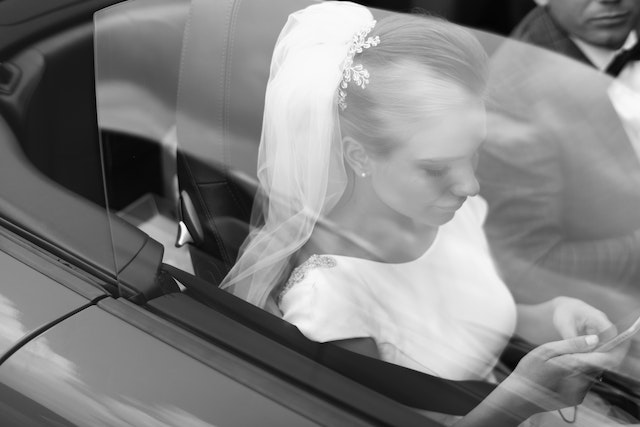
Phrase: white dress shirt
(624, 91)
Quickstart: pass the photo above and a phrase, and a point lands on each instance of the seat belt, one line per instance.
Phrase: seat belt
(404, 385)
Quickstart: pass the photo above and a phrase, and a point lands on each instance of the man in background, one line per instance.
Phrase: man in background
(561, 165)
(597, 32)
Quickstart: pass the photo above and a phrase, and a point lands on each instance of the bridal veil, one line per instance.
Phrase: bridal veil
(300, 168)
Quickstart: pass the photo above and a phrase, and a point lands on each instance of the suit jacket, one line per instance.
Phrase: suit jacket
(540, 29)
(560, 176)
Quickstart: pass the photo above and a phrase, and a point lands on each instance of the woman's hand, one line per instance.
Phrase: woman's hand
(573, 317)
(552, 376)
(558, 374)
(561, 317)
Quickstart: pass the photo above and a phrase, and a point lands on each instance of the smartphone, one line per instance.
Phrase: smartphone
(607, 342)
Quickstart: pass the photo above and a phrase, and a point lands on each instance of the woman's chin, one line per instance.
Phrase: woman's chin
(440, 216)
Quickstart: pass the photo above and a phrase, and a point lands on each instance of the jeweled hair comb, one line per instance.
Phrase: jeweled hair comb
(356, 73)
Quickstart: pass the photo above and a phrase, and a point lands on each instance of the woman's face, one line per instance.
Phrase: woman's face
(427, 177)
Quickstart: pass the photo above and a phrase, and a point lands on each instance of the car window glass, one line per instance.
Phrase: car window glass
(138, 49)
(52, 183)
(181, 119)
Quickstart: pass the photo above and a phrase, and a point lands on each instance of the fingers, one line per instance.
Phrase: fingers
(567, 327)
(604, 360)
(574, 318)
(607, 333)
(590, 364)
(580, 344)
(598, 322)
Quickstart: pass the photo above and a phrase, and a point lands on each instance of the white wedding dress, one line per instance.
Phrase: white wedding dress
(447, 313)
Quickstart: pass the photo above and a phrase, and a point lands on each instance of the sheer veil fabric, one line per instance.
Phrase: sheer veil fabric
(300, 167)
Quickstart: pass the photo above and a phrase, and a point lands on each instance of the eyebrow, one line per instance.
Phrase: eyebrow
(439, 159)
(433, 160)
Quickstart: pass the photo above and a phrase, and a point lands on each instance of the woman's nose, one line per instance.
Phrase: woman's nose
(466, 185)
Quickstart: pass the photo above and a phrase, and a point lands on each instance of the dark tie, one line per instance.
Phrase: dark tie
(622, 59)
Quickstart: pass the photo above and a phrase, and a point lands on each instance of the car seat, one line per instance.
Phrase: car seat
(225, 68)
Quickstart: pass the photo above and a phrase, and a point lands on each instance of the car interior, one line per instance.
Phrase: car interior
(92, 102)
(216, 180)
(48, 103)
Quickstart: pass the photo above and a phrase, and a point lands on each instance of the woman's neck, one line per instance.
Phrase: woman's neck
(362, 225)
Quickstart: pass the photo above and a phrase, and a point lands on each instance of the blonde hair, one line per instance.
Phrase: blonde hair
(422, 67)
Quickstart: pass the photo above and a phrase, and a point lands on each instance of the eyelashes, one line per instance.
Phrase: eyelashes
(436, 172)
(441, 171)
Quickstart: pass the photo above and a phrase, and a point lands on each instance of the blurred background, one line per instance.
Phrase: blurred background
(496, 16)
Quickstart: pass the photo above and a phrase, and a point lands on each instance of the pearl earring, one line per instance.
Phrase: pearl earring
(363, 174)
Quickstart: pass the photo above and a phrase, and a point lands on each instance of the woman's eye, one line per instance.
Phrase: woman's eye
(435, 172)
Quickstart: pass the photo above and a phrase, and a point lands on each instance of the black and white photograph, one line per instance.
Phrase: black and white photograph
(239, 213)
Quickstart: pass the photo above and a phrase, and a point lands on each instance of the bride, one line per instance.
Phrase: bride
(371, 234)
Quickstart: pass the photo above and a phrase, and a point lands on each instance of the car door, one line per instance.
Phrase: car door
(95, 331)
(75, 356)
